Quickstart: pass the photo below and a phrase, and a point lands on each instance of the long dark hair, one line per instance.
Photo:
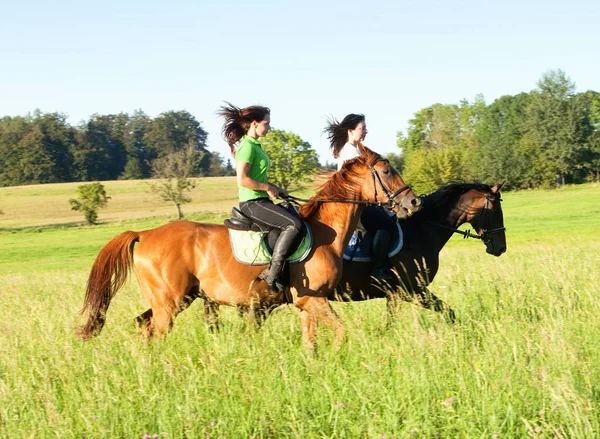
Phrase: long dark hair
(337, 132)
(238, 120)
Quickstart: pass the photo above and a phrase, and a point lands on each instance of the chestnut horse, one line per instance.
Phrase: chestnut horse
(182, 260)
(425, 234)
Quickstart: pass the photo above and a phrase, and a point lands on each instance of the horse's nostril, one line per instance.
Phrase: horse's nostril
(416, 202)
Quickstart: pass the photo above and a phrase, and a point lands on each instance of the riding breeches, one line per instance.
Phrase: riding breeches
(266, 213)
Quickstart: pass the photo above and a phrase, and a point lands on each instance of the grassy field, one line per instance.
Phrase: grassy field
(522, 361)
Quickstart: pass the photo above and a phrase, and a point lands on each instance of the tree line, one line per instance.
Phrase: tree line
(547, 137)
(544, 138)
(44, 148)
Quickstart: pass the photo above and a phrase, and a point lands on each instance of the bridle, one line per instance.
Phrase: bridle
(389, 204)
(485, 235)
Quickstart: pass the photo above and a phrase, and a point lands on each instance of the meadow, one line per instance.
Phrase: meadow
(523, 359)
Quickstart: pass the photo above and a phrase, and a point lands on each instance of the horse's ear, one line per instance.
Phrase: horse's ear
(497, 186)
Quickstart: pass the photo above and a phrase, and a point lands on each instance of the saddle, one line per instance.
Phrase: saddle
(241, 222)
(360, 250)
(253, 243)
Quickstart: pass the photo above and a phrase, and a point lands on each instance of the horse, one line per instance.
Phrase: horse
(425, 234)
(183, 260)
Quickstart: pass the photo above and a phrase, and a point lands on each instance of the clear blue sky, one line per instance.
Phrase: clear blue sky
(304, 59)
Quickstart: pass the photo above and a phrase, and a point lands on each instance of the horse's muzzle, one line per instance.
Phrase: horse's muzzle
(409, 205)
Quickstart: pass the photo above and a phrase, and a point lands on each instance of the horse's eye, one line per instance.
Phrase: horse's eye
(386, 171)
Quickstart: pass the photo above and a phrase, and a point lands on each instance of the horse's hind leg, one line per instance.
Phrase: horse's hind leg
(211, 315)
(142, 323)
(167, 299)
(144, 320)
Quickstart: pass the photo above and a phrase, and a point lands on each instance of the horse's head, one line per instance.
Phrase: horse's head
(384, 184)
(485, 216)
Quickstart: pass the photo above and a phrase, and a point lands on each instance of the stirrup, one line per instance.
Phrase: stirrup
(272, 281)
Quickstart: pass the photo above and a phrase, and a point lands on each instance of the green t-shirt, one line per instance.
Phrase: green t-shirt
(250, 151)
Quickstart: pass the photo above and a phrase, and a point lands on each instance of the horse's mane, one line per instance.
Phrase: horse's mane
(342, 184)
(447, 192)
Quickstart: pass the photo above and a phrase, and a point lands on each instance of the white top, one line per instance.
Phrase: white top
(348, 152)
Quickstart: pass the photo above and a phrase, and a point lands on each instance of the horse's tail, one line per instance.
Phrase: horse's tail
(107, 276)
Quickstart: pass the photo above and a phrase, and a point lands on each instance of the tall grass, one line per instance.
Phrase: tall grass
(523, 360)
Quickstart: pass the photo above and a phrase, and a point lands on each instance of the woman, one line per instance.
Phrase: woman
(244, 126)
(344, 138)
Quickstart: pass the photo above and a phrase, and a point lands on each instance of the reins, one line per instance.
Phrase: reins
(468, 234)
(298, 201)
(389, 204)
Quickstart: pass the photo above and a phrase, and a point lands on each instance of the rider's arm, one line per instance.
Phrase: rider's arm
(244, 180)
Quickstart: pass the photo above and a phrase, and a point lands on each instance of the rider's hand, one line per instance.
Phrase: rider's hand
(275, 191)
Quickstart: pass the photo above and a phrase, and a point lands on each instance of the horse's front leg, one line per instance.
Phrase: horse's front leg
(318, 310)
(428, 300)
(308, 325)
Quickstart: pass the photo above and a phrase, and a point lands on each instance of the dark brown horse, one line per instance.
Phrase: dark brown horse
(182, 260)
(425, 234)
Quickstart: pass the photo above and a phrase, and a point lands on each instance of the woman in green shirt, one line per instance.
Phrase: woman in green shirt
(244, 126)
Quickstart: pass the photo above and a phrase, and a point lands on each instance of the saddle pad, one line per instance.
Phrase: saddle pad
(361, 251)
(250, 247)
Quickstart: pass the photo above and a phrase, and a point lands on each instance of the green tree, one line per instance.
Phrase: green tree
(216, 167)
(175, 131)
(500, 152)
(293, 161)
(138, 157)
(100, 153)
(90, 198)
(396, 160)
(173, 173)
(555, 134)
(427, 169)
(440, 144)
(590, 165)
(35, 149)
(229, 169)
(12, 130)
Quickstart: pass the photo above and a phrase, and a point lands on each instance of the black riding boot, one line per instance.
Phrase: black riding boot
(280, 252)
(381, 248)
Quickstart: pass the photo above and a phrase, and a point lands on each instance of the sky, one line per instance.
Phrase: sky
(306, 60)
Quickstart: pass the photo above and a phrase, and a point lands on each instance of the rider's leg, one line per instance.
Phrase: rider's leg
(381, 227)
(272, 215)
(381, 248)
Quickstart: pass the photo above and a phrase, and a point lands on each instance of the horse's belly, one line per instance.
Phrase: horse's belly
(236, 294)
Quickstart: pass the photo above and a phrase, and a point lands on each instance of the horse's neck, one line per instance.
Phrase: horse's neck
(450, 215)
(334, 224)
